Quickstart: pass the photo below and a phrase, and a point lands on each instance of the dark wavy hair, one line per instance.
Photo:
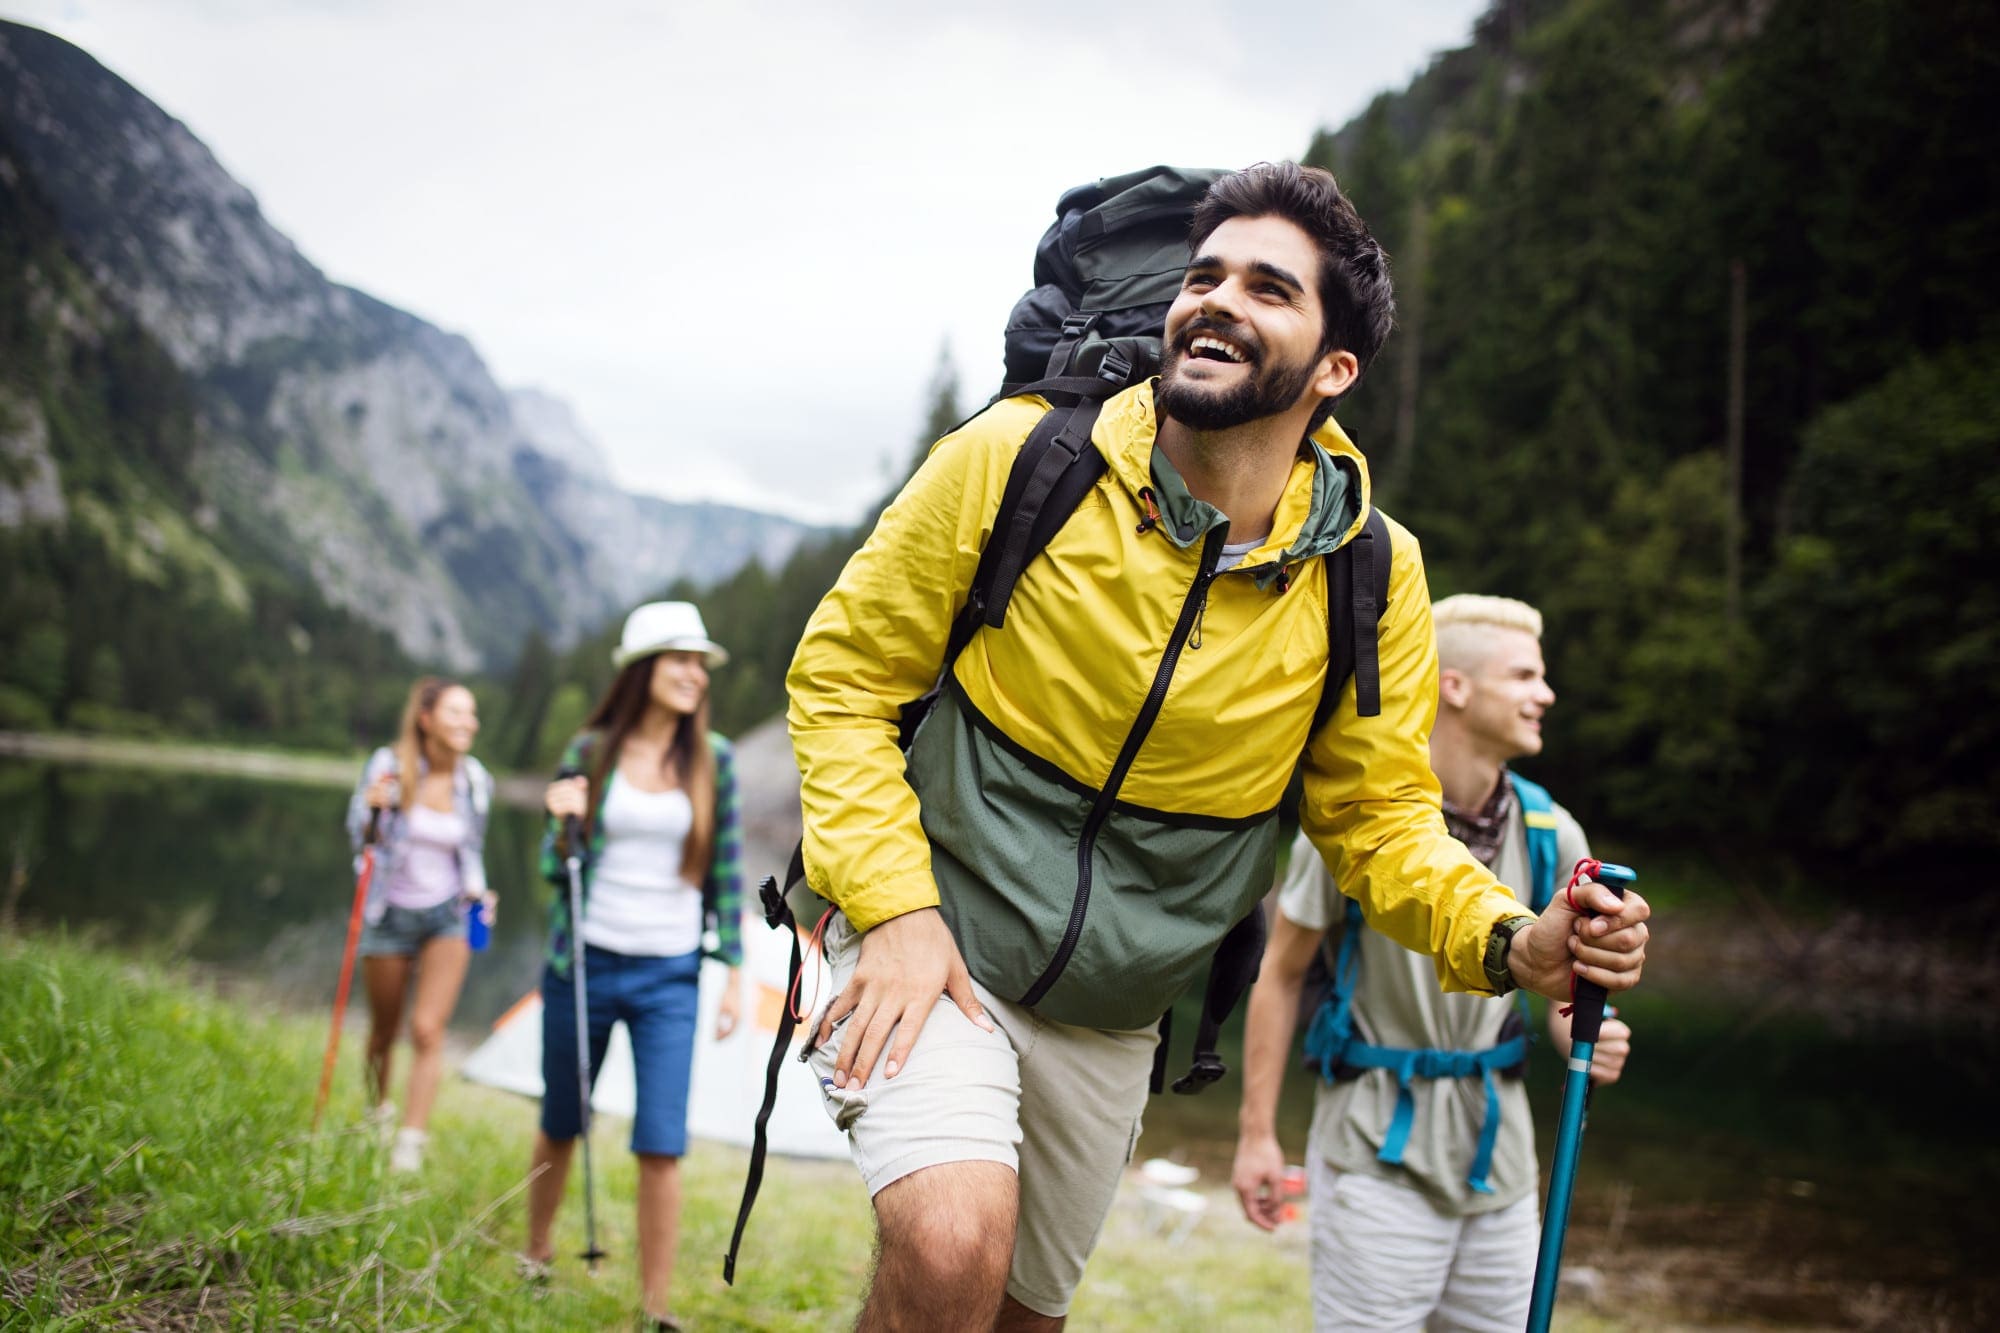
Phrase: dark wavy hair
(1354, 286)
(689, 758)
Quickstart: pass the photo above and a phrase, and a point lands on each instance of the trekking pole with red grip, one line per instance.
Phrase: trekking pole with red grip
(1586, 1021)
(347, 964)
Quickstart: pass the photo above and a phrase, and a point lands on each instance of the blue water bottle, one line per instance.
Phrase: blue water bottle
(476, 930)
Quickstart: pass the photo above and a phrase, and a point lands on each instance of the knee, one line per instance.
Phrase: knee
(959, 1245)
(427, 1035)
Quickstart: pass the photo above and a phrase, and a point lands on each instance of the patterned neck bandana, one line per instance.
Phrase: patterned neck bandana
(1480, 829)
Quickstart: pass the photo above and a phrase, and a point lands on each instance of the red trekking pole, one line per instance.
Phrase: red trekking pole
(347, 965)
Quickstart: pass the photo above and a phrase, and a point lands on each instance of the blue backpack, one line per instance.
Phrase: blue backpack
(1333, 1047)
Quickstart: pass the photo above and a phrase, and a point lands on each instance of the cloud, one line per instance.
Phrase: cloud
(731, 235)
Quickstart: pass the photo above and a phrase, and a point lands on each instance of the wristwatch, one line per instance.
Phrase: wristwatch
(1498, 974)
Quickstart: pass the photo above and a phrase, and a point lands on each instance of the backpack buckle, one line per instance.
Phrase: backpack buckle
(1116, 367)
(775, 911)
(1075, 326)
(1208, 1067)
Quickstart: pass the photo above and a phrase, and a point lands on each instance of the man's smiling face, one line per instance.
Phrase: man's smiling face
(1243, 338)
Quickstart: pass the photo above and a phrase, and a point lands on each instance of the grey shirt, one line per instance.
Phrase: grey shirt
(1397, 1003)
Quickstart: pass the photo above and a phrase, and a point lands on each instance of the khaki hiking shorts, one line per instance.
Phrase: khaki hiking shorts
(1059, 1105)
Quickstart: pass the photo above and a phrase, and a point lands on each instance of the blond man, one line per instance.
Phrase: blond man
(1421, 1155)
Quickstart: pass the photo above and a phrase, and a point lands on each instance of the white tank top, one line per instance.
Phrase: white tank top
(639, 904)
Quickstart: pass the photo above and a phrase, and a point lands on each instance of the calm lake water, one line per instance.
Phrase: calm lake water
(1766, 1160)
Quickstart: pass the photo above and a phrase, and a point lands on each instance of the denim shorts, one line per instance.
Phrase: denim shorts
(403, 930)
(657, 999)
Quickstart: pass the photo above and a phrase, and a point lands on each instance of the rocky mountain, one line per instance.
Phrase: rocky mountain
(364, 453)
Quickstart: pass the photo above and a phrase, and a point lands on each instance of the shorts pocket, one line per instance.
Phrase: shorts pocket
(844, 1105)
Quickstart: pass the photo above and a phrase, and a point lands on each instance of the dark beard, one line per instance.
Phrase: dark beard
(1269, 389)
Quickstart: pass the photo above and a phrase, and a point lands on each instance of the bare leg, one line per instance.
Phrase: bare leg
(441, 968)
(551, 1161)
(387, 977)
(945, 1239)
(659, 1229)
(1018, 1318)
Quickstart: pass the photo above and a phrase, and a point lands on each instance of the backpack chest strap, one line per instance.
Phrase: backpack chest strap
(1410, 1065)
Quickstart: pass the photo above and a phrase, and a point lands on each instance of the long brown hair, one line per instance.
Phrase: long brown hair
(689, 757)
(411, 738)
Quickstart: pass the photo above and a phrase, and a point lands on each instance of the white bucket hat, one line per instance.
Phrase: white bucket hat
(662, 627)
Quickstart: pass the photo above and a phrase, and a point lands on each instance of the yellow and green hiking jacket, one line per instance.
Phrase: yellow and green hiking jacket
(1093, 802)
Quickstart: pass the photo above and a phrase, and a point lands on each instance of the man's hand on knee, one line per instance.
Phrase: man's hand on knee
(905, 964)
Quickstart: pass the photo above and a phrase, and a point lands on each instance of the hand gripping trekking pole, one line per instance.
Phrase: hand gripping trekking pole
(347, 964)
(573, 861)
(1586, 1020)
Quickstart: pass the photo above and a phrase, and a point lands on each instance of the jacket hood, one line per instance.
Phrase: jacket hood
(1323, 505)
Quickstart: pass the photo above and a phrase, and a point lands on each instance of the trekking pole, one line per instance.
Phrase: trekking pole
(573, 861)
(1586, 1021)
(347, 964)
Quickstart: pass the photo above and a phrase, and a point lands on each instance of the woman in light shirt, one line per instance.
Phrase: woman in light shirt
(657, 813)
(427, 799)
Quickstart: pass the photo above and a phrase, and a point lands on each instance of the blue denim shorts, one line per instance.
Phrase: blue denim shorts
(657, 999)
(404, 930)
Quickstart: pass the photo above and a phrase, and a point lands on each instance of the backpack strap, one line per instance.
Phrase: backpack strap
(1332, 1023)
(777, 915)
(1332, 1046)
(1056, 467)
(1231, 972)
(1357, 593)
(1538, 821)
(1409, 1065)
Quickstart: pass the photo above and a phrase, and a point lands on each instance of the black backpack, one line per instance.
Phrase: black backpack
(1105, 273)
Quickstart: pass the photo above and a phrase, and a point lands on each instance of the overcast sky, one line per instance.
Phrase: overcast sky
(732, 236)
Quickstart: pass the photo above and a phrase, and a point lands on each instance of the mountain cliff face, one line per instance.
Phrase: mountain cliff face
(350, 444)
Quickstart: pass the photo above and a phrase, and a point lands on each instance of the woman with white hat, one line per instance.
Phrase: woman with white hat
(656, 807)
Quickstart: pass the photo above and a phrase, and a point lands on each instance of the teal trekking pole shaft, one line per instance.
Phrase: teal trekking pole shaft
(1585, 1022)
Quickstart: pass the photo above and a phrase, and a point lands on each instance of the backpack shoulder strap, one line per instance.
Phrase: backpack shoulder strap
(1538, 821)
(1332, 1026)
(1357, 593)
(1056, 468)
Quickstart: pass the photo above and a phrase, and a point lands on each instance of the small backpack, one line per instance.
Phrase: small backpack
(1105, 272)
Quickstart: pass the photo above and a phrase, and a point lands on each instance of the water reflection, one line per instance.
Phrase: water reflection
(248, 875)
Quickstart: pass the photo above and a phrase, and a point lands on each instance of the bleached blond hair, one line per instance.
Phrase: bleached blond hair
(1465, 625)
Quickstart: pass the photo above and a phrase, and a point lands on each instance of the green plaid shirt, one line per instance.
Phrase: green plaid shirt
(721, 891)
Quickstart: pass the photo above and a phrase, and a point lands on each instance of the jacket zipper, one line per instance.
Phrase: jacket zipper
(1149, 712)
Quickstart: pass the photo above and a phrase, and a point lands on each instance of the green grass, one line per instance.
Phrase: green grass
(155, 1172)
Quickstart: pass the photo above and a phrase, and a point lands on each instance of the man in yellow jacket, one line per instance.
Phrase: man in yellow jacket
(1093, 802)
